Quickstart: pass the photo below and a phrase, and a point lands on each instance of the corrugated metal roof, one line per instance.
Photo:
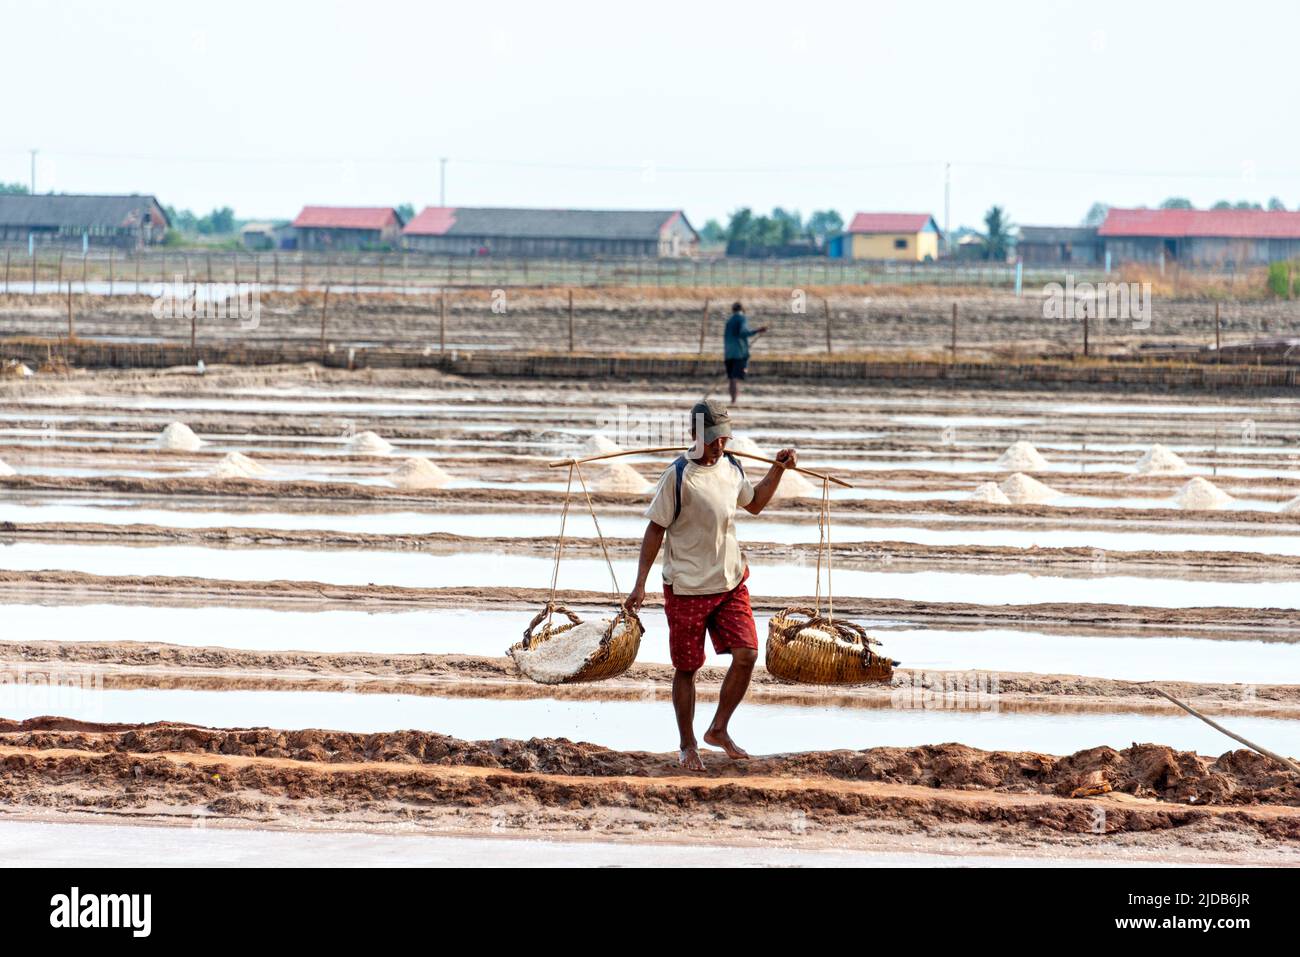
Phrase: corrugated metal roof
(1203, 223)
(890, 222)
(1058, 234)
(470, 221)
(74, 210)
(346, 217)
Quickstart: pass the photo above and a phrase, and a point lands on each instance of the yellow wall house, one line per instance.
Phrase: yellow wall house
(913, 237)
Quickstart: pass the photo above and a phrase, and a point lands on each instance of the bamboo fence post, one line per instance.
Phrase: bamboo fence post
(954, 332)
(442, 321)
(324, 313)
(58, 276)
(208, 258)
(56, 292)
(704, 325)
(1216, 330)
(6, 272)
(110, 270)
(826, 307)
(138, 256)
(72, 332)
(570, 322)
(85, 258)
(194, 320)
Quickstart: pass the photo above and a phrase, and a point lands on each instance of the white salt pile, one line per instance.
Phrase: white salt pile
(238, 465)
(1291, 506)
(615, 477)
(563, 656)
(600, 445)
(368, 443)
(1158, 460)
(817, 634)
(743, 443)
(989, 492)
(793, 484)
(419, 473)
(6, 469)
(179, 437)
(1022, 457)
(1020, 489)
(1199, 494)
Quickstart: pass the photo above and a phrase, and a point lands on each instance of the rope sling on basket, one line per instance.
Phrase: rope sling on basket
(571, 651)
(809, 648)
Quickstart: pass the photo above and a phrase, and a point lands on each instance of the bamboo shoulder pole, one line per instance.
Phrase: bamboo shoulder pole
(565, 463)
(1286, 762)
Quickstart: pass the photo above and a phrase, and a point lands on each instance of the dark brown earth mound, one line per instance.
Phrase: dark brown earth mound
(1142, 770)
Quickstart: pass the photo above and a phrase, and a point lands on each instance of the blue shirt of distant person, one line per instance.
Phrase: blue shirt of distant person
(735, 341)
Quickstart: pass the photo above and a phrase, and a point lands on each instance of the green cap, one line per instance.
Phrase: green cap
(710, 419)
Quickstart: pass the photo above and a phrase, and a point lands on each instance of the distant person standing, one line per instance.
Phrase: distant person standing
(736, 338)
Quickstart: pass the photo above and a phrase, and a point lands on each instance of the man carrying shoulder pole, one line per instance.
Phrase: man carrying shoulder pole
(704, 571)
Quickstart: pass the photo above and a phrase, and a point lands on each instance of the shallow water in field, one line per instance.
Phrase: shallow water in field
(201, 842)
(487, 569)
(447, 631)
(640, 725)
(545, 523)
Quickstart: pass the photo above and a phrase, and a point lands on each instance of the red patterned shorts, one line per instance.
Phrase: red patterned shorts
(727, 617)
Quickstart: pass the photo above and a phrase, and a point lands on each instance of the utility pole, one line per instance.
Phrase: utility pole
(442, 181)
(34, 152)
(947, 194)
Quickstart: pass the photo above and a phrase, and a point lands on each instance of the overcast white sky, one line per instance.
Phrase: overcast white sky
(1041, 106)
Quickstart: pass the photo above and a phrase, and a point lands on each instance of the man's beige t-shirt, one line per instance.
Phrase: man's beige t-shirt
(701, 554)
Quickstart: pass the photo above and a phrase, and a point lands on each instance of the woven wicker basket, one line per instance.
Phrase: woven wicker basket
(618, 646)
(807, 660)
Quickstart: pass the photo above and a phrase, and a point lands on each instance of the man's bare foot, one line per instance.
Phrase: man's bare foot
(689, 759)
(720, 739)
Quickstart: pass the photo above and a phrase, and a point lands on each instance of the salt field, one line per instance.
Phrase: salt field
(356, 557)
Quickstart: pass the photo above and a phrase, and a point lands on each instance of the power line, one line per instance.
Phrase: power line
(441, 160)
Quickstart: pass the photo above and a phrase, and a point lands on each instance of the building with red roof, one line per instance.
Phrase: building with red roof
(348, 227)
(912, 237)
(1201, 237)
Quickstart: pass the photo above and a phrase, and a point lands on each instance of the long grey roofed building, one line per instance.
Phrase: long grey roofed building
(128, 221)
(468, 230)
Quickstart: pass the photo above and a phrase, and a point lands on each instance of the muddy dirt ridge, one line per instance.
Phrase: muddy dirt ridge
(136, 665)
(1142, 770)
(319, 596)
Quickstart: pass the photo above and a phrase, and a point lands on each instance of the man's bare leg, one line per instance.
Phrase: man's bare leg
(684, 706)
(734, 385)
(734, 686)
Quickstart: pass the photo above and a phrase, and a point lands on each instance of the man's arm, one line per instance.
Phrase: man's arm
(764, 490)
(650, 544)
